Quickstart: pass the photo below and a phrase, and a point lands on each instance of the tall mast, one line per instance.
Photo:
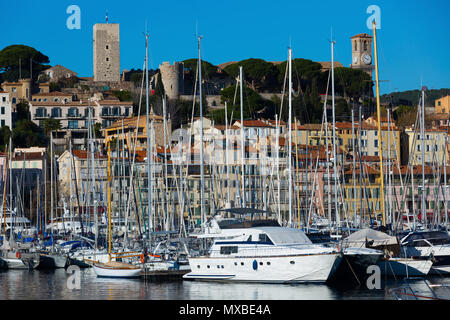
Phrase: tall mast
(5, 180)
(109, 201)
(336, 207)
(149, 179)
(290, 138)
(202, 171)
(445, 182)
(226, 155)
(166, 194)
(242, 136)
(380, 149)
(354, 166)
(51, 185)
(422, 136)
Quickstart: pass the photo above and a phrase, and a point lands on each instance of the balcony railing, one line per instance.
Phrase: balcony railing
(39, 116)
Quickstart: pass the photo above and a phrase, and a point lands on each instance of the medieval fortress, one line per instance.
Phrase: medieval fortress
(106, 43)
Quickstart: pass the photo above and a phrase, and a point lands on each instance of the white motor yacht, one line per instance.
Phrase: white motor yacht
(261, 251)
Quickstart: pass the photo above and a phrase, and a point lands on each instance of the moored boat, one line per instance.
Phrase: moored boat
(261, 251)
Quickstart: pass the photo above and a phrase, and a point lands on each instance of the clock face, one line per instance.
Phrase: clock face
(367, 59)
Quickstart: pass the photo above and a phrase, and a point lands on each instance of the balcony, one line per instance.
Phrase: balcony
(41, 116)
(75, 116)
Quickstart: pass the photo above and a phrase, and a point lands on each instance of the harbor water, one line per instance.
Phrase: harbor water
(56, 285)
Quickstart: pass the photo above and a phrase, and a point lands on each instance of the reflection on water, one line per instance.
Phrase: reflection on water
(52, 285)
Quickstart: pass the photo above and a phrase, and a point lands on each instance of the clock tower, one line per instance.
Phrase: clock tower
(362, 52)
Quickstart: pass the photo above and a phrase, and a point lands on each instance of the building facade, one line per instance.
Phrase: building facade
(442, 105)
(362, 52)
(106, 52)
(5, 109)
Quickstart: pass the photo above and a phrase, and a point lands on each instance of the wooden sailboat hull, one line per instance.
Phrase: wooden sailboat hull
(116, 270)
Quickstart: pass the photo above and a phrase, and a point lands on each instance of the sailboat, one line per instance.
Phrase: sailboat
(15, 255)
(114, 269)
(54, 258)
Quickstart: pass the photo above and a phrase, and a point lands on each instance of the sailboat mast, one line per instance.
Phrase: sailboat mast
(380, 150)
(51, 185)
(149, 179)
(290, 138)
(336, 207)
(422, 136)
(242, 136)
(109, 201)
(202, 171)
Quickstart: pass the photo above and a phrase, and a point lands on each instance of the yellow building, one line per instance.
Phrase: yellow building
(362, 198)
(19, 90)
(442, 105)
(133, 126)
(434, 146)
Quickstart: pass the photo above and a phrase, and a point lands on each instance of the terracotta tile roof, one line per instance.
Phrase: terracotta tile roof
(113, 102)
(81, 103)
(83, 154)
(255, 123)
(53, 93)
(223, 127)
(28, 156)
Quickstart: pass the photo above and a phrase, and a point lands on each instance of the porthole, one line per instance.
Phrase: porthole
(261, 263)
(198, 266)
(242, 263)
(292, 262)
(268, 263)
(222, 266)
(218, 267)
(235, 263)
(207, 266)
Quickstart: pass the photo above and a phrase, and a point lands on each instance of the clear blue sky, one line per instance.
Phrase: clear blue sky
(413, 40)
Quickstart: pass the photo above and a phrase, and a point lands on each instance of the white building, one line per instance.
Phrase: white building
(5, 109)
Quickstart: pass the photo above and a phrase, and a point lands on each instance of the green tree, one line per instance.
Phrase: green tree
(259, 74)
(22, 110)
(27, 134)
(405, 115)
(50, 125)
(19, 59)
(304, 72)
(5, 133)
(352, 83)
(123, 95)
(253, 104)
(98, 130)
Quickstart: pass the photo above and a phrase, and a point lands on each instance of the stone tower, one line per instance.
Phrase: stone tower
(362, 53)
(172, 77)
(106, 52)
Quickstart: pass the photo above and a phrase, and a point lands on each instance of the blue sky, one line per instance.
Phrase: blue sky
(413, 41)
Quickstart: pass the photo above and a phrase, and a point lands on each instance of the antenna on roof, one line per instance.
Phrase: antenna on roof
(106, 15)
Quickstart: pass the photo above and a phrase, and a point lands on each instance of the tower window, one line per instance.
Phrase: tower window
(107, 47)
(356, 45)
(107, 59)
(365, 45)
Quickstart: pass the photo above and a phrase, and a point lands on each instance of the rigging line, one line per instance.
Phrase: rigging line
(302, 94)
(134, 143)
(282, 96)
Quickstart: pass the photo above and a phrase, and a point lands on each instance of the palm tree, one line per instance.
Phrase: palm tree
(50, 125)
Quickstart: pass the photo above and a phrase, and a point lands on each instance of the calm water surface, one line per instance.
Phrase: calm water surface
(52, 285)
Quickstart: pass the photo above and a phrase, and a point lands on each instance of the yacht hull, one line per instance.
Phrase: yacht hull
(102, 270)
(402, 267)
(265, 269)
